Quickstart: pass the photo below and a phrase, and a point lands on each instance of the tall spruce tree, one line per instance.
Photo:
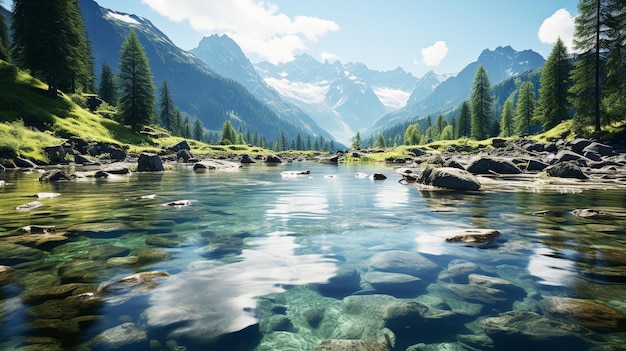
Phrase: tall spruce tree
(481, 105)
(525, 108)
(137, 100)
(614, 89)
(506, 126)
(107, 88)
(412, 134)
(464, 126)
(5, 46)
(229, 135)
(553, 106)
(166, 107)
(198, 131)
(49, 39)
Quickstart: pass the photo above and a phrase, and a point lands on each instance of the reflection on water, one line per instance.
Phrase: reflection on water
(256, 261)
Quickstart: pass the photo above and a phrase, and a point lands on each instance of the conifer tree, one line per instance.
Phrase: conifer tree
(553, 106)
(614, 89)
(65, 58)
(463, 123)
(229, 135)
(186, 128)
(525, 108)
(447, 133)
(356, 141)
(412, 135)
(178, 123)
(380, 141)
(481, 105)
(506, 126)
(198, 131)
(137, 100)
(107, 89)
(5, 46)
(166, 107)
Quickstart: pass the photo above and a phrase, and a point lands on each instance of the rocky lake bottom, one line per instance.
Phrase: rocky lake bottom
(330, 259)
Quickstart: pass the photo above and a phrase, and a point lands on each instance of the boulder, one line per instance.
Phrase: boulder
(149, 162)
(600, 149)
(529, 330)
(578, 145)
(115, 152)
(184, 155)
(566, 170)
(378, 176)
(272, 159)
(245, 159)
(536, 165)
(453, 164)
(474, 237)
(54, 176)
(85, 160)
(588, 313)
(23, 163)
(449, 178)
(486, 165)
(55, 153)
(330, 160)
(127, 335)
(181, 145)
(210, 165)
(566, 155)
(346, 281)
(29, 206)
(407, 262)
(395, 284)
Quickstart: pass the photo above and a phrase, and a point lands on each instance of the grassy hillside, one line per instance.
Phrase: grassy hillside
(30, 120)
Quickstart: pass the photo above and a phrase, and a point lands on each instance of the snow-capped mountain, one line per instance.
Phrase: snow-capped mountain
(500, 64)
(225, 57)
(342, 98)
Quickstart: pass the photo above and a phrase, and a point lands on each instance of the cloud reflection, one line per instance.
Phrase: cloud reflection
(211, 299)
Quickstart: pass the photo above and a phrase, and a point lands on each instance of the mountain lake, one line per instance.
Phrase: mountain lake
(326, 260)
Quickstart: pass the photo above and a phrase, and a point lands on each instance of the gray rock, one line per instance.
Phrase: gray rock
(395, 284)
(23, 163)
(535, 165)
(566, 155)
(6, 275)
(351, 345)
(85, 160)
(29, 206)
(529, 330)
(474, 237)
(115, 152)
(216, 165)
(588, 313)
(459, 270)
(486, 165)
(578, 145)
(181, 145)
(477, 293)
(346, 281)
(122, 336)
(600, 149)
(184, 155)
(449, 178)
(407, 262)
(246, 159)
(149, 162)
(54, 176)
(12, 254)
(566, 170)
(272, 159)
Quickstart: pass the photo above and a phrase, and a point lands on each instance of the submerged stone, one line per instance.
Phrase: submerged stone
(588, 313)
(395, 284)
(474, 237)
(125, 335)
(352, 345)
(12, 254)
(407, 262)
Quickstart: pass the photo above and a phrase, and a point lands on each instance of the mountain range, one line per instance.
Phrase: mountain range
(216, 81)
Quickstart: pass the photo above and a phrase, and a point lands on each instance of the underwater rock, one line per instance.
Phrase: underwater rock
(6, 275)
(588, 313)
(529, 330)
(60, 328)
(122, 261)
(587, 213)
(152, 255)
(449, 178)
(352, 345)
(407, 262)
(39, 240)
(477, 293)
(81, 271)
(37, 229)
(12, 254)
(142, 280)
(459, 270)
(346, 281)
(474, 237)
(395, 284)
(161, 241)
(178, 203)
(512, 291)
(276, 323)
(29, 206)
(125, 335)
(313, 316)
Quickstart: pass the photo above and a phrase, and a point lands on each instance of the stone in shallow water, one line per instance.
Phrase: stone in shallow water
(477, 293)
(459, 270)
(588, 313)
(11, 254)
(125, 335)
(474, 237)
(6, 275)
(395, 284)
(529, 330)
(407, 262)
(352, 345)
(346, 281)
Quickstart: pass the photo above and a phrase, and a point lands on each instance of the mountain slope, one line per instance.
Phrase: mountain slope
(225, 57)
(195, 88)
(500, 64)
(342, 98)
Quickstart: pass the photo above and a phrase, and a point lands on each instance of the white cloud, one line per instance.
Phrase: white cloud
(559, 25)
(328, 56)
(434, 54)
(258, 27)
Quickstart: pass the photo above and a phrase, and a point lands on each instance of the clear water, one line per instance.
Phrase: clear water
(250, 260)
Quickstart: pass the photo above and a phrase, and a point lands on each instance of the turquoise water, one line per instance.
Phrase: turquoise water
(257, 261)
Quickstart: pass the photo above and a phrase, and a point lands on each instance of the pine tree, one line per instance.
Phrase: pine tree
(356, 141)
(299, 145)
(380, 141)
(481, 105)
(614, 89)
(65, 58)
(463, 123)
(506, 126)
(186, 129)
(5, 46)
(447, 133)
(229, 135)
(525, 108)
(137, 100)
(198, 131)
(177, 127)
(166, 107)
(440, 124)
(107, 89)
(553, 106)
(412, 135)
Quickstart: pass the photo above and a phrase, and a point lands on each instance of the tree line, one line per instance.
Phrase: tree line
(587, 86)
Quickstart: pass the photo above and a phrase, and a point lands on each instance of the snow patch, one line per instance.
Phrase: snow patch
(122, 17)
(305, 92)
(394, 99)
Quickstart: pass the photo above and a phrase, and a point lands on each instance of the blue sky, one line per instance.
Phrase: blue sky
(416, 35)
